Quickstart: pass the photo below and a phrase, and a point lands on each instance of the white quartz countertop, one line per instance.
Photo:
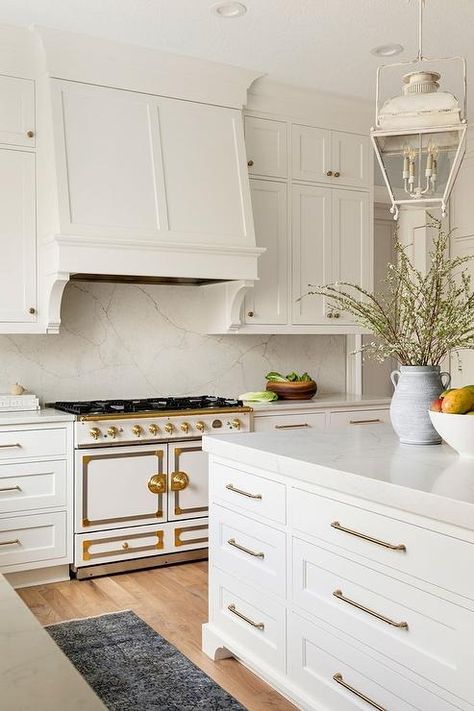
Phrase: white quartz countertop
(34, 674)
(367, 462)
(33, 417)
(318, 403)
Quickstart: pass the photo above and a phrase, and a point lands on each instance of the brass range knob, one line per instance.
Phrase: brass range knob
(95, 432)
(200, 426)
(137, 430)
(153, 430)
(113, 432)
(179, 481)
(169, 428)
(185, 427)
(235, 424)
(157, 484)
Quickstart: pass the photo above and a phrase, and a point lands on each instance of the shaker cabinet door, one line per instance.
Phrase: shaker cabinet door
(267, 151)
(311, 154)
(267, 302)
(17, 111)
(17, 237)
(350, 159)
(188, 481)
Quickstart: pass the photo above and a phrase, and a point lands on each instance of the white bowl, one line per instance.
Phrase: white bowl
(456, 430)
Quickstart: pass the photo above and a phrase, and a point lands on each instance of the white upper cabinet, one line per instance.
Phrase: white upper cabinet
(267, 302)
(267, 147)
(17, 111)
(17, 238)
(350, 159)
(311, 154)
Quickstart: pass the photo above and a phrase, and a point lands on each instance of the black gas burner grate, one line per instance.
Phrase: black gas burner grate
(152, 404)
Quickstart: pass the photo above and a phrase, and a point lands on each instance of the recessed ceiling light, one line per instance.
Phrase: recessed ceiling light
(387, 50)
(229, 9)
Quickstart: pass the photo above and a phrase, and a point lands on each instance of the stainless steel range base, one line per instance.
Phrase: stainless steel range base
(126, 566)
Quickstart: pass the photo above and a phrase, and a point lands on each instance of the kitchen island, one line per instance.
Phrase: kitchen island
(342, 567)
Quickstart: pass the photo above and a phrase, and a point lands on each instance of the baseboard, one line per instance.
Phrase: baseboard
(39, 576)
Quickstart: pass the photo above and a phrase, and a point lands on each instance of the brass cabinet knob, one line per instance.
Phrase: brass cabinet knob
(30, 134)
(251, 314)
(200, 426)
(169, 428)
(336, 314)
(330, 314)
(112, 432)
(235, 424)
(137, 430)
(32, 310)
(95, 432)
(179, 481)
(157, 484)
(125, 545)
(153, 430)
(250, 163)
(185, 427)
(329, 173)
(337, 174)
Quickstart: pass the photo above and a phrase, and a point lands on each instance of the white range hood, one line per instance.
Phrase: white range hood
(142, 168)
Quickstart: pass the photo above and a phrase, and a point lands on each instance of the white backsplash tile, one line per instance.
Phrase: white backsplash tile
(135, 341)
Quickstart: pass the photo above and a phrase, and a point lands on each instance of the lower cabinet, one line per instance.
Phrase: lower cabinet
(320, 419)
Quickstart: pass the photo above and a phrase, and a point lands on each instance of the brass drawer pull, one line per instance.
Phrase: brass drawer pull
(377, 541)
(291, 427)
(259, 625)
(10, 446)
(11, 488)
(387, 620)
(231, 487)
(364, 422)
(339, 680)
(232, 542)
(10, 543)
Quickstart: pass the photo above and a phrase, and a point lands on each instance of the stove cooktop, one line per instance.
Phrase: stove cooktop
(152, 404)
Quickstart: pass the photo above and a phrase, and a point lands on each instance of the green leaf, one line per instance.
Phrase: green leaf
(292, 377)
(263, 396)
(276, 378)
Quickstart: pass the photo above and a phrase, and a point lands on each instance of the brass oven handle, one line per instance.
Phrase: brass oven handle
(364, 422)
(387, 620)
(179, 481)
(291, 427)
(10, 543)
(231, 487)
(339, 680)
(377, 541)
(259, 625)
(11, 488)
(157, 484)
(10, 446)
(232, 542)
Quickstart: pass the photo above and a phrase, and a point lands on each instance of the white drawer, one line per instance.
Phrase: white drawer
(255, 622)
(29, 539)
(285, 423)
(340, 418)
(248, 550)
(316, 656)
(37, 485)
(19, 444)
(248, 492)
(438, 559)
(330, 586)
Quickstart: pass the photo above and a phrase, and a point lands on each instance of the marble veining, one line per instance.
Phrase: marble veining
(122, 340)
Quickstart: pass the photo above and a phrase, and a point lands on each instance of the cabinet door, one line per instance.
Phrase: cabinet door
(188, 487)
(266, 143)
(311, 247)
(268, 300)
(17, 111)
(109, 165)
(352, 242)
(311, 154)
(17, 236)
(350, 158)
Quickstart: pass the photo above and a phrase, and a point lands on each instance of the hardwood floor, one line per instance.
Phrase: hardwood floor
(173, 601)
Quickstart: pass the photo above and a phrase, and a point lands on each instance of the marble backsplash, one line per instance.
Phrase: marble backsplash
(136, 341)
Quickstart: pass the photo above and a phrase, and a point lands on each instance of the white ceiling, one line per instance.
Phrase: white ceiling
(324, 44)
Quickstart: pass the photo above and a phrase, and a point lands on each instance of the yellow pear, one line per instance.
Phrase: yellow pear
(458, 401)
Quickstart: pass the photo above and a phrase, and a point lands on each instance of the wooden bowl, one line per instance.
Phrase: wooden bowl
(293, 391)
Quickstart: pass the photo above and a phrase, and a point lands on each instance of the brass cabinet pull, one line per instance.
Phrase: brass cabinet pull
(364, 422)
(339, 680)
(231, 487)
(292, 427)
(157, 484)
(337, 174)
(233, 542)
(259, 625)
(179, 481)
(329, 173)
(16, 541)
(10, 446)
(377, 541)
(11, 488)
(387, 620)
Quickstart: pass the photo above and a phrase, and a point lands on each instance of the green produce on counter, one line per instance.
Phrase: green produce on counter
(264, 396)
(290, 378)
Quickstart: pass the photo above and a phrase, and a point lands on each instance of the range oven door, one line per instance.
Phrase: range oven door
(188, 490)
(119, 487)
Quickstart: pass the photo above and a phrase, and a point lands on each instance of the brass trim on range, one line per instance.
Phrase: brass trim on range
(339, 680)
(178, 531)
(392, 546)
(340, 596)
(86, 459)
(165, 413)
(125, 546)
(178, 510)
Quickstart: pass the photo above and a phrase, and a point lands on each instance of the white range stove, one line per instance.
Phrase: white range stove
(141, 479)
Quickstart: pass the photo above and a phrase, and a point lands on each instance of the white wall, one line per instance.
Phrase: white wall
(138, 341)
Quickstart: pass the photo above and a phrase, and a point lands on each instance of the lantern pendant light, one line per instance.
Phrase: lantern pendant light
(419, 137)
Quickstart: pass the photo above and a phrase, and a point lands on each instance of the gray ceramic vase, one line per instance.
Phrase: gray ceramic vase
(416, 386)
